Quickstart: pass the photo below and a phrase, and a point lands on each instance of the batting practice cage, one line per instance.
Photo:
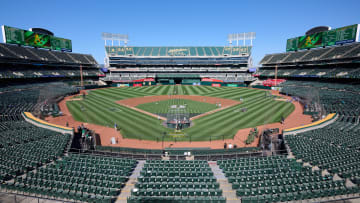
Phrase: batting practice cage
(178, 117)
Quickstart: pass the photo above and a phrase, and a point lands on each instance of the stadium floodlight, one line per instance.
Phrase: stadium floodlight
(241, 37)
(115, 37)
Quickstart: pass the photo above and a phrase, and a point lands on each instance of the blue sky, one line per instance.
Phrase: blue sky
(179, 23)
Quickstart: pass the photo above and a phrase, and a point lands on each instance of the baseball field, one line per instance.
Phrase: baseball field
(134, 110)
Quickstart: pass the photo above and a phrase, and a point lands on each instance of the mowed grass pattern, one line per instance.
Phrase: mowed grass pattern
(100, 108)
(162, 107)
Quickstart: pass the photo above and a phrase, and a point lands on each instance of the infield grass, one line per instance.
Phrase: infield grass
(162, 107)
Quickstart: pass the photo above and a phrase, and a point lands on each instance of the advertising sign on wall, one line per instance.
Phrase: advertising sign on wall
(123, 85)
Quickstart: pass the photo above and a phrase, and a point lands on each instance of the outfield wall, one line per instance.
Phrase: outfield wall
(29, 117)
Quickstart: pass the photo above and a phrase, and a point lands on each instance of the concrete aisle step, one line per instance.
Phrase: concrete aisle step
(225, 186)
(137, 170)
(126, 191)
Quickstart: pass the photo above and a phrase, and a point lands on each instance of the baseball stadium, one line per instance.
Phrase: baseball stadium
(180, 123)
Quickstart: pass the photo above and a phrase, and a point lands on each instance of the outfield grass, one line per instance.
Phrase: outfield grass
(162, 107)
(100, 108)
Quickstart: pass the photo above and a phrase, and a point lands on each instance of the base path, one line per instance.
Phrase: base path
(296, 118)
(148, 99)
(144, 112)
(133, 102)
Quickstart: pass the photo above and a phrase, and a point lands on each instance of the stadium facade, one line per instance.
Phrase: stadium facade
(167, 64)
(237, 56)
(178, 65)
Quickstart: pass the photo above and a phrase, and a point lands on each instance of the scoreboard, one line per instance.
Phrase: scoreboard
(61, 44)
(347, 34)
(28, 38)
(329, 37)
(13, 35)
(292, 44)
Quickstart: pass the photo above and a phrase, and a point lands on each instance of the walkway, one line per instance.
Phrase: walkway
(126, 191)
(225, 186)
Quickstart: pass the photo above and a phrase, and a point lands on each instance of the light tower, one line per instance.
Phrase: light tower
(244, 37)
(241, 37)
(115, 37)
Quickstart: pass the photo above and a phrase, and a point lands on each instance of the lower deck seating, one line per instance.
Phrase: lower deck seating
(18, 159)
(334, 148)
(24, 147)
(20, 132)
(333, 97)
(179, 181)
(278, 179)
(78, 177)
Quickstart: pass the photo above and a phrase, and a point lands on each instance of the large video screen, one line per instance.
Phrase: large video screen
(29, 38)
(37, 40)
(341, 35)
(310, 41)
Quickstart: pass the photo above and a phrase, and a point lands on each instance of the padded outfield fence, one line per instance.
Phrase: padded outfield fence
(315, 125)
(43, 124)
